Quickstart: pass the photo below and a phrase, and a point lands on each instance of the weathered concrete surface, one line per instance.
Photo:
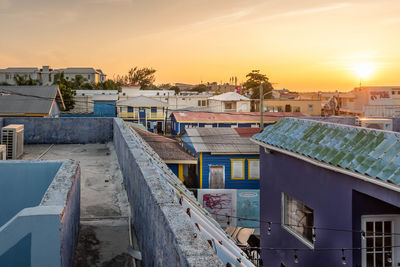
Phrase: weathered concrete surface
(52, 224)
(167, 236)
(104, 232)
(64, 130)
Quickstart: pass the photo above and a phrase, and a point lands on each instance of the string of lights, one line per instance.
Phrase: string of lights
(270, 223)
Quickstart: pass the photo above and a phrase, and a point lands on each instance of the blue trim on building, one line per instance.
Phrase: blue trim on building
(225, 160)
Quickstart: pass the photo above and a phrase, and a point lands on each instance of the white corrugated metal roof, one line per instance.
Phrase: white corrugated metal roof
(220, 140)
(142, 101)
(230, 96)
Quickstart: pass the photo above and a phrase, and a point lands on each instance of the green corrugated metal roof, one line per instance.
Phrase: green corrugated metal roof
(370, 152)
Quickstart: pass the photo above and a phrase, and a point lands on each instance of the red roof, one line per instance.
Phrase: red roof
(231, 117)
(247, 132)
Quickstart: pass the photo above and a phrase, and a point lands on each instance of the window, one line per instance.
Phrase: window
(310, 107)
(237, 169)
(254, 168)
(296, 109)
(153, 109)
(298, 219)
(49, 77)
(379, 240)
(130, 109)
(199, 103)
(244, 106)
(228, 105)
(204, 102)
(279, 108)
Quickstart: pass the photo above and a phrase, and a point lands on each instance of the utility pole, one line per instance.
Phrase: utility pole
(261, 108)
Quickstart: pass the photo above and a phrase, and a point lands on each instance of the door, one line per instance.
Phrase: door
(217, 177)
(380, 241)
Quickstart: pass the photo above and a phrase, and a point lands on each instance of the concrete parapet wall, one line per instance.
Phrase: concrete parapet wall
(44, 234)
(167, 236)
(63, 130)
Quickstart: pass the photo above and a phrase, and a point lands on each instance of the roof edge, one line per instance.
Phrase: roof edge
(330, 167)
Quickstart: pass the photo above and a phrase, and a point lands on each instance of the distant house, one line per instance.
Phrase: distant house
(45, 75)
(311, 107)
(229, 102)
(184, 120)
(227, 157)
(149, 112)
(182, 163)
(30, 101)
(329, 186)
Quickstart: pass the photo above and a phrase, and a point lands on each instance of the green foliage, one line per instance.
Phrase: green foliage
(108, 85)
(176, 89)
(21, 80)
(138, 76)
(254, 80)
(68, 88)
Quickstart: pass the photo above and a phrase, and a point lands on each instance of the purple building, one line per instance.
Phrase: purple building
(326, 187)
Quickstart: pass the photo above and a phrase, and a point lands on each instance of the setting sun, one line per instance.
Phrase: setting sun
(363, 70)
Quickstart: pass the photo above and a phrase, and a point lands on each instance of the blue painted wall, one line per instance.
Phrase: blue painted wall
(64, 130)
(105, 109)
(338, 201)
(31, 180)
(225, 160)
(19, 255)
(174, 168)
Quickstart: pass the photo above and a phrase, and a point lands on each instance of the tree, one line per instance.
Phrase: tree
(176, 89)
(200, 88)
(21, 80)
(254, 80)
(141, 76)
(67, 88)
(108, 85)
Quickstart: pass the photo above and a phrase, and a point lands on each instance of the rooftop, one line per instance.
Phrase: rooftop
(28, 99)
(230, 96)
(369, 152)
(168, 149)
(221, 140)
(104, 233)
(231, 117)
(142, 101)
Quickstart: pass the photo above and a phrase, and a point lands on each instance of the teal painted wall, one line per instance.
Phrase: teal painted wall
(225, 160)
(22, 185)
(19, 255)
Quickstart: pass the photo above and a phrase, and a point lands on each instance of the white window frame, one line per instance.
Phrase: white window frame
(289, 229)
(242, 171)
(250, 176)
(395, 238)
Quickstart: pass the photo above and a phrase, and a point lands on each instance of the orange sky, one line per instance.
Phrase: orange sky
(300, 45)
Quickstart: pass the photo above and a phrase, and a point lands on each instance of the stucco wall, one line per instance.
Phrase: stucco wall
(332, 197)
(64, 130)
(166, 235)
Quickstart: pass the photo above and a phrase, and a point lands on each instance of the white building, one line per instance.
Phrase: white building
(372, 101)
(229, 102)
(45, 75)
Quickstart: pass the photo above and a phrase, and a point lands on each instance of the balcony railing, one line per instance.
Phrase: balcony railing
(155, 115)
(129, 115)
(149, 115)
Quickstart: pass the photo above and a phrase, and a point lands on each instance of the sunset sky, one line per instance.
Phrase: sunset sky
(300, 45)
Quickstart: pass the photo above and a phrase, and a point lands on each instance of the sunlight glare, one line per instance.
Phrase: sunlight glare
(363, 69)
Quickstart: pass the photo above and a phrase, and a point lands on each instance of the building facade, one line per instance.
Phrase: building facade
(144, 110)
(325, 187)
(229, 102)
(227, 158)
(45, 75)
(308, 107)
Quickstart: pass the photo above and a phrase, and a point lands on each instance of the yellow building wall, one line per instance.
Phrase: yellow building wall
(309, 107)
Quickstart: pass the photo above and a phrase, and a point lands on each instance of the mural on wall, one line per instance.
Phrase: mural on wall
(227, 204)
(380, 97)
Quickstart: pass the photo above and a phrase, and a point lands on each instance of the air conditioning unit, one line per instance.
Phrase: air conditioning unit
(3, 152)
(375, 123)
(13, 139)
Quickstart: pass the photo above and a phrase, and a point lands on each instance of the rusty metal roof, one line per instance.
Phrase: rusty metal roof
(370, 152)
